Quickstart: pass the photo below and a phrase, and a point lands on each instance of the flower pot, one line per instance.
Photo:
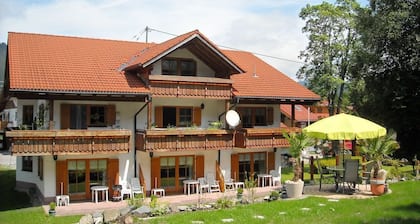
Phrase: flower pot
(51, 212)
(377, 187)
(294, 189)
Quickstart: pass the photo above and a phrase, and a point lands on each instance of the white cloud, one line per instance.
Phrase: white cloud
(268, 27)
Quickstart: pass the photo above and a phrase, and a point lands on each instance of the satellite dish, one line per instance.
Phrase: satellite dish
(232, 118)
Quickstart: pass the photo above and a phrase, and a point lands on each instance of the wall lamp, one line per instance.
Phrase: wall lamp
(151, 154)
(55, 157)
(202, 106)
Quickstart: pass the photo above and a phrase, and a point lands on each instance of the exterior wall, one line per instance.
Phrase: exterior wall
(202, 69)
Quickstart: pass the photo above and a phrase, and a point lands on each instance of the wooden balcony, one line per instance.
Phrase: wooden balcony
(194, 87)
(68, 142)
(183, 139)
(262, 137)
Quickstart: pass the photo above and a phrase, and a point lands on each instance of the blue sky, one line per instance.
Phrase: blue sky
(270, 27)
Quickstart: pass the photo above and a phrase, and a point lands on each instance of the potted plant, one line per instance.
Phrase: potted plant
(52, 209)
(239, 193)
(297, 141)
(274, 195)
(378, 150)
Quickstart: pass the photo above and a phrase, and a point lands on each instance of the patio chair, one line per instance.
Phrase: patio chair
(229, 184)
(136, 188)
(203, 185)
(213, 183)
(125, 189)
(276, 177)
(324, 174)
(366, 174)
(351, 174)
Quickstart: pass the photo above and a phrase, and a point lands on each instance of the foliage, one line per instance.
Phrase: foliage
(250, 185)
(239, 191)
(224, 202)
(378, 150)
(388, 64)
(332, 35)
(274, 195)
(297, 141)
(137, 200)
(52, 205)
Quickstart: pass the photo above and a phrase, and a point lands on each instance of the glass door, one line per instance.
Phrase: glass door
(167, 172)
(77, 178)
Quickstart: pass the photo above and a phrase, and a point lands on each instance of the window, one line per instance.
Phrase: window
(97, 116)
(256, 116)
(77, 176)
(251, 163)
(177, 66)
(27, 163)
(174, 170)
(177, 117)
(82, 116)
(28, 115)
(97, 172)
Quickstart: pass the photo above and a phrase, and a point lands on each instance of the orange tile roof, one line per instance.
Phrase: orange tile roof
(301, 112)
(267, 82)
(70, 64)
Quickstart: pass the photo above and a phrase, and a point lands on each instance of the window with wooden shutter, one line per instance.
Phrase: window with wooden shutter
(234, 166)
(65, 116)
(159, 117)
(155, 172)
(61, 177)
(113, 173)
(197, 116)
(110, 115)
(199, 166)
(270, 116)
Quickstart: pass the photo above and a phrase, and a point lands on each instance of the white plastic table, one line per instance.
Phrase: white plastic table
(188, 184)
(96, 189)
(262, 179)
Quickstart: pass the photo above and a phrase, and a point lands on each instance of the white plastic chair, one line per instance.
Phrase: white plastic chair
(276, 177)
(229, 184)
(136, 188)
(213, 183)
(126, 190)
(203, 185)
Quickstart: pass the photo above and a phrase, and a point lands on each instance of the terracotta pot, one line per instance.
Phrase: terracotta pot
(377, 187)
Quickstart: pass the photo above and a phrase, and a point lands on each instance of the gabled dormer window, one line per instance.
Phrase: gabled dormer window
(179, 66)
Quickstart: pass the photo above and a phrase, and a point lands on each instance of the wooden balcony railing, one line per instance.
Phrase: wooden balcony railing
(262, 137)
(191, 86)
(68, 142)
(183, 139)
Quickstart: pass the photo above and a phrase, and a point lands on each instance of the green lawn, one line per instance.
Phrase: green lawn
(402, 206)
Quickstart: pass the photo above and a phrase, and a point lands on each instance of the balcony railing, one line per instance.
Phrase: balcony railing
(262, 137)
(68, 142)
(183, 139)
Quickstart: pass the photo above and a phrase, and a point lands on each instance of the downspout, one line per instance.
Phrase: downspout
(135, 128)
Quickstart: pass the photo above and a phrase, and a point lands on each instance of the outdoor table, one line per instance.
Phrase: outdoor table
(262, 179)
(338, 170)
(96, 189)
(190, 183)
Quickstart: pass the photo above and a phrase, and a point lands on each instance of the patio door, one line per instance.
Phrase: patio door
(170, 172)
(75, 177)
(243, 165)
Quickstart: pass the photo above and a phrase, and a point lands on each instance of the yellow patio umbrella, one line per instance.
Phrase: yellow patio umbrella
(344, 127)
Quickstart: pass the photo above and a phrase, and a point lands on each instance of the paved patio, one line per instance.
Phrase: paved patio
(85, 207)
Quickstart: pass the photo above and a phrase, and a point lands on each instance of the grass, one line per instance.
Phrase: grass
(15, 207)
(401, 207)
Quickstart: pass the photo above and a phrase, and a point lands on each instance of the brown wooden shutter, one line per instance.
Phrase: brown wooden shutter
(61, 177)
(234, 166)
(113, 173)
(155, 172)
(197, 116)
(159, 117)
(199, 166)
(110, 115)
(270, 115)
(65, 116)
(270, 161)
